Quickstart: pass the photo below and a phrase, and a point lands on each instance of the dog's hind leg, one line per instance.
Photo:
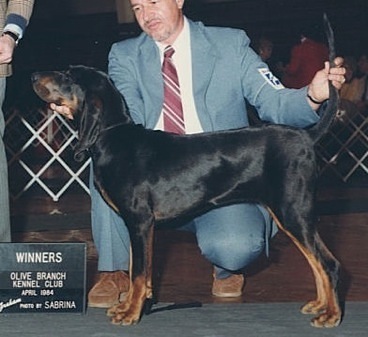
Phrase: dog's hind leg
(326, 271)
(129, 312)
(325, 268)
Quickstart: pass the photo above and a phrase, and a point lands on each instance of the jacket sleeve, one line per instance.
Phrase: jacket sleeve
(17, 15)
(262, 89)
(122, 70)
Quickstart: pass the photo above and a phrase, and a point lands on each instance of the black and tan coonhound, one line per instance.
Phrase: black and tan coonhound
(150, 176)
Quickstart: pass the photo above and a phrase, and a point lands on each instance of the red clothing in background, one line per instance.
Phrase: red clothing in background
(306, 59)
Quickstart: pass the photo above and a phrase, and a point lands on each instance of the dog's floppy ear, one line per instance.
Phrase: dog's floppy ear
(89, 127)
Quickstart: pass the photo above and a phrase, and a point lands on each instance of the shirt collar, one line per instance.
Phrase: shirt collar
(181, 41)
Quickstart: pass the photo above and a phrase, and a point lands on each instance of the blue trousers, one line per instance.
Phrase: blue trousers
(230, 237)
(4, 188)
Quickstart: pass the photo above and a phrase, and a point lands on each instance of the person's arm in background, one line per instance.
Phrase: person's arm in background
(15, 20)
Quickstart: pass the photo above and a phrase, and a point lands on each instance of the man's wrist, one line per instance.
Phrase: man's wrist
(12, 35)
(313, 100)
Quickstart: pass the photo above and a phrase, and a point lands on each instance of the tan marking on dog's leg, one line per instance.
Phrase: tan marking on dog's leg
(149, 259)
(107, 199)
(129, 312)
(315, 270)
(329, 310)
(326, 305)
(112, 311)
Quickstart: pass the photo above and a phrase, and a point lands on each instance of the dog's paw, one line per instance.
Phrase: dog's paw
(326, 320)
(313, 308)
(111, 311)
(122, 314)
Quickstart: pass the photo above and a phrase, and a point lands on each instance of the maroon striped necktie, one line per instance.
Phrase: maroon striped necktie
(172, 108)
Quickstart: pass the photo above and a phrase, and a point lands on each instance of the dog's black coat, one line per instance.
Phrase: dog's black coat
(151, 176)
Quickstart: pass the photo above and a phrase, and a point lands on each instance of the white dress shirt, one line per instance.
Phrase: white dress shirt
(182, 59)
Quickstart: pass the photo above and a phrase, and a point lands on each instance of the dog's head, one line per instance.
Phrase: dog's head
(87, 92)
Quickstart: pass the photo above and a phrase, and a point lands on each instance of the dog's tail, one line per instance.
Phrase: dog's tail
(329, 110)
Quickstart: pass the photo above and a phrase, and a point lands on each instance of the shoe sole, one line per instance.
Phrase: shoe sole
(227, 295)
(101, 305)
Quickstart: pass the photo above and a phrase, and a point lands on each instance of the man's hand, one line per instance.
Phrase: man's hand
(7, 45)
(62, 110)
(318, 90)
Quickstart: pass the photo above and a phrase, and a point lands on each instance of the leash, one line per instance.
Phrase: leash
(148, 306)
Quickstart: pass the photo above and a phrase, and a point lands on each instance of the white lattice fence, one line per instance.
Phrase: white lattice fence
(344, 150)
(40, 146)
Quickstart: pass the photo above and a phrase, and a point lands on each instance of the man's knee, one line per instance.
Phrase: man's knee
(233, 253)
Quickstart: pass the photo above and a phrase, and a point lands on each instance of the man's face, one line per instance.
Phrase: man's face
(161, 19)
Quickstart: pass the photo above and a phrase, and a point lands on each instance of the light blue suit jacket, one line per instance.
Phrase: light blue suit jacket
(226, 71)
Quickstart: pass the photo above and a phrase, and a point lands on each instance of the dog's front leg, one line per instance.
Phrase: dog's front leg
(129, 312)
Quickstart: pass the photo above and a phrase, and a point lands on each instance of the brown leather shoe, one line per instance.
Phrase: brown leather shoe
(231, 286)
(106, 292)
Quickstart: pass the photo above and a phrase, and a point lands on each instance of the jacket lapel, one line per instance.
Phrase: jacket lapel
(203, 64)
(152, 79)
